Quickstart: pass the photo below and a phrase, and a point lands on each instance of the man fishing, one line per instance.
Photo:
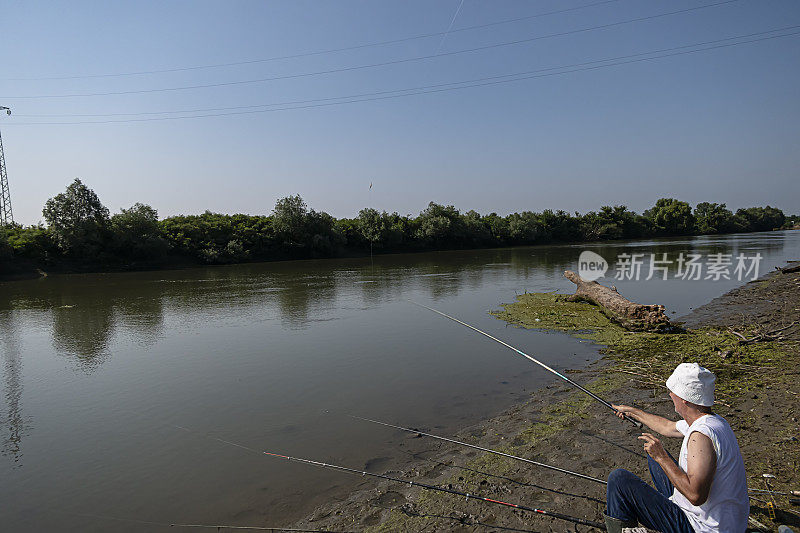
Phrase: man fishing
(704, 491)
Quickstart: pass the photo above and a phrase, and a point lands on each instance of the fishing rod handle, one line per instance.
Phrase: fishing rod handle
(628, 418)
(634, 422)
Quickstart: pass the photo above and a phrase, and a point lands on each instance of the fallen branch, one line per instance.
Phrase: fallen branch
(781, 329)
(742, 338)
(762, 337)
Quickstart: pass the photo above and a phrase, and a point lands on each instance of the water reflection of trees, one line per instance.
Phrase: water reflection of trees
(82, 329)
(87, 311)
(12, 419)
(85, 318)
(141, 315)
(301, 301)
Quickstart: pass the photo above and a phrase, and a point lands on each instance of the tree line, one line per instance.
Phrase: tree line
(81, 234)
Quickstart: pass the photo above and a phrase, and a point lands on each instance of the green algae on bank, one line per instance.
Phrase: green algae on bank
(652, 356)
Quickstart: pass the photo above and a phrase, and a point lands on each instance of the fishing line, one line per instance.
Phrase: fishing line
(510, 480)
(212, 526)
(543, 465)
(466, 495)
(523, 354)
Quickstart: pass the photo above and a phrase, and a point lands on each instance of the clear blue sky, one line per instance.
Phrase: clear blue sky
(719, 125)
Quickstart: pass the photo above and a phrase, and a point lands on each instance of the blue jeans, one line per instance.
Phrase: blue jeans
(629, 498)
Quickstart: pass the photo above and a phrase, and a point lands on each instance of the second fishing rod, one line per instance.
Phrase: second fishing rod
(541, 364)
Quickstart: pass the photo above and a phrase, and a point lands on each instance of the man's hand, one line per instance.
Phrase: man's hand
(622, 410)
(656, 423)
(653, 447)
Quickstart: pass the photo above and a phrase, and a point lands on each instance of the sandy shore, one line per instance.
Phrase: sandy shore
(759, 395)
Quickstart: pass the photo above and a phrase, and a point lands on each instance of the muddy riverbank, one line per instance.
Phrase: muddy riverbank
(759, 393)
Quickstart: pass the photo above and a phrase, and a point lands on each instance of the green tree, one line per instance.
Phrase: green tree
(137, 234)
(79, 221)
(370, 225)
(33, 243)
(217, 238)
(380, 229)
(671, 217)
(5, 247)
(440, 227)
(476, 231)
(615, 222)
(560, 225)
(760, 218)
(321, 228)
(289, 218)
(712, 218)
(525, 228)
(498, 228)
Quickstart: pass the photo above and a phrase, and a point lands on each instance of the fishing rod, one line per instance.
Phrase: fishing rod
(258, 528)
(418, 455)
(530, 461)
(523, 354)
(466, 495)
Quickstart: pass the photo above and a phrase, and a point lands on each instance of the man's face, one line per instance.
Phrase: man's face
(677, 402)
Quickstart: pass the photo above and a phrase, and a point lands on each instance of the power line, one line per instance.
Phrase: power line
(568, 69)
(292, 102)
(372, 65)
(319, 52)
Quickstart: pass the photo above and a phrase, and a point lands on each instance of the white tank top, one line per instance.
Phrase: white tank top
(728, 506)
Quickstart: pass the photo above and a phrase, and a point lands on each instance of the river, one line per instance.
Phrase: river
(118, 389)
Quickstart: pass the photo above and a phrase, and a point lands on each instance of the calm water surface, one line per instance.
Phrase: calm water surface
(101, 372)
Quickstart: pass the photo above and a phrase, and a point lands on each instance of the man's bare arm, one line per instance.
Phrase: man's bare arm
(701, 465)
(657, 423)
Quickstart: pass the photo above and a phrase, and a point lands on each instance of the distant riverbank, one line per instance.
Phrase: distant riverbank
(82, 236)
(23, 269)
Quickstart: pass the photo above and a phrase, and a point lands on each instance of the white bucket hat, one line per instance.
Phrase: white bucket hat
(693, 383)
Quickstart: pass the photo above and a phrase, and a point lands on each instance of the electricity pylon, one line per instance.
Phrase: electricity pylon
(6, 216)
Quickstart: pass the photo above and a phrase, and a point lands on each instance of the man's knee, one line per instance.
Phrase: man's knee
(619, 481)
(620, 477)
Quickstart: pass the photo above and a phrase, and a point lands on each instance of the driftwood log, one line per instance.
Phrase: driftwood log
(789, 269)
(628, 314)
